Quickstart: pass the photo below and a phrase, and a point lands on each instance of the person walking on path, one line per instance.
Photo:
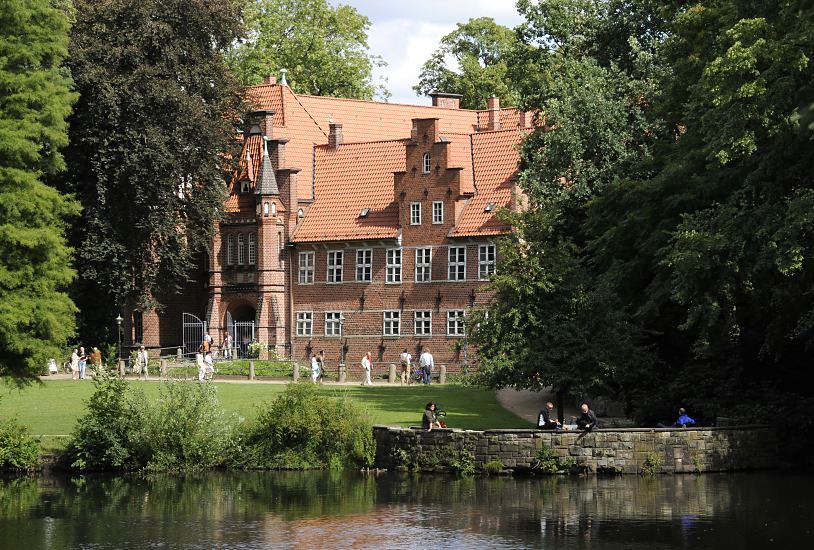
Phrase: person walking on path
(321, 363)
(142, 361)
(314, 368)
(74, 364)
(367, 367)
(406, 359)
(83, 362)
(227, 346)
(427, 363)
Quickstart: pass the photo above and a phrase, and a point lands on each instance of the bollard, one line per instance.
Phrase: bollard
(251, 370)
(296, 372)
(442, 375)
(343, 374)
(391, 377)
(179, 354)
(163, 367)
(121, 367)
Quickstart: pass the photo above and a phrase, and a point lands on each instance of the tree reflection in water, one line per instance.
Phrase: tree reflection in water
(330, 509)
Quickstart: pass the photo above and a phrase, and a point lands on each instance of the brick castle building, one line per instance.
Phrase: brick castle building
(352, 226)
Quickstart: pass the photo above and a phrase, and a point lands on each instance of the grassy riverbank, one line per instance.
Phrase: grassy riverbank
(52, 408)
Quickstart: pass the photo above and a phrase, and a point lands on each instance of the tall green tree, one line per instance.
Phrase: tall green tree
(36, 314)
(553, 322)
(156, 115)
(323, 47)
(480, 49)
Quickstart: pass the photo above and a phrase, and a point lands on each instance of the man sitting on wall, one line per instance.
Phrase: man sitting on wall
(544, 420)
(586, 420)
(683, 419)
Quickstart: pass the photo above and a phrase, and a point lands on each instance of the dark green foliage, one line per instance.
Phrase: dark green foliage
(548, 462)
(462, 462)
(36, 315)
(157, 112)
(303, 428)
(19, 451)
(481, 49)
(323, 47)
(493, 467)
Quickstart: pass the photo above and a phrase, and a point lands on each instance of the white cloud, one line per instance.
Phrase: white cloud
(406, 33)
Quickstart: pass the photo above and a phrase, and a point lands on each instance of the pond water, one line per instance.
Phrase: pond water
(351, 510)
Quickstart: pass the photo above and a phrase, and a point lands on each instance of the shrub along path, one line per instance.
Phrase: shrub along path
(53, 407)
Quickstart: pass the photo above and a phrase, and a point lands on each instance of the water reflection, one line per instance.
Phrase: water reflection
(308, 509)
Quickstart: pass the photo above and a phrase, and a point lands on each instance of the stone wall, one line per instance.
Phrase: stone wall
(617, 450)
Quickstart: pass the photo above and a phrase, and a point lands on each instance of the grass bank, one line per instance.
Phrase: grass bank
(52, 408)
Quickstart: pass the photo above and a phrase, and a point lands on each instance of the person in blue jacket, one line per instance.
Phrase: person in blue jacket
(683, 419)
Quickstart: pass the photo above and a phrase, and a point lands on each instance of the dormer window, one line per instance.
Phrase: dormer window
(426, 163)
(245, 186)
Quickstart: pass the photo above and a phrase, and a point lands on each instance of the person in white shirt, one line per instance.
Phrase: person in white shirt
(406, 359)
(142, 360)
(367, 366)
(314, 368)
(199, 360)
(427, 363)
(74, 365)
(210, 366)
(227, 346)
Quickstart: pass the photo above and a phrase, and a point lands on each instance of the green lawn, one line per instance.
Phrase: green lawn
(53, 407)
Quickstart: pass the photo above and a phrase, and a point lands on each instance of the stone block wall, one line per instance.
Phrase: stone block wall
(617, 450)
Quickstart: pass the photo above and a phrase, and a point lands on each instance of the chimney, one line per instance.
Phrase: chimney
(445, 100)
(525, 119)
(334, 135)
(265, 120)
(493, 105)
(270, 79)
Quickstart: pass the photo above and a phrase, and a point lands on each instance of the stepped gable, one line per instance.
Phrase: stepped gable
(251, 158)
(348, 179)
(495, 156)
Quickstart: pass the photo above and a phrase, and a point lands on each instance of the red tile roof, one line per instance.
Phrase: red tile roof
(496, 157)
(348, 179)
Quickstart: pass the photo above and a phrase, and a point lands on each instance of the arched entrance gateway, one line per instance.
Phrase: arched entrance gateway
(241, 325)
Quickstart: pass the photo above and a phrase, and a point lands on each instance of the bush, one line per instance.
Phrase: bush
(462, 462)
(19, 451)
(185, 429)
(652, 464)
(304, 429)
(493, 467)
(548, 462)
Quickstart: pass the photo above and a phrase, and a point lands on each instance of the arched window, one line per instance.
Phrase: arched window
(241, 250)
(427, 162)
(274, 209)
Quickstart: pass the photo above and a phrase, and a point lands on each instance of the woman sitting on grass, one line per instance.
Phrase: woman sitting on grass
(430, 419)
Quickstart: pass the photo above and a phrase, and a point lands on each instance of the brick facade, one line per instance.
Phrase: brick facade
(311, 186)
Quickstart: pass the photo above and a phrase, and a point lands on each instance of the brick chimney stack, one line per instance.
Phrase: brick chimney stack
(265, 120)
(493, 106)
(445, 100)
(270, 79)
(334, 135)
(525, 119)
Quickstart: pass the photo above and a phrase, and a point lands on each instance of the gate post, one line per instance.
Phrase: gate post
(343, 373)
(163, 367)
(442, 376)
(296, 374)
(180, 354)
(251, 370)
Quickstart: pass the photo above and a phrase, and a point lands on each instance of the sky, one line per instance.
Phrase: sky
(405, 33)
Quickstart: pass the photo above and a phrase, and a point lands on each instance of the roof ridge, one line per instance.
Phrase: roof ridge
(331, 98)
(346, 143)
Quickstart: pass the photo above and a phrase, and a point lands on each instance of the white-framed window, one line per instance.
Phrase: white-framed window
(335, 258)
(415, 213)
(437, 211)
(252, 250)
(455, 323)
(423, 265)
(486, 261)
(423, 323)
(241, 249)
(305, 323)
(426, 163)
(392, 323)
(230, 249)
(457, 263)
(306, 268)
(364, 265)
(333, 323)
(393, 265)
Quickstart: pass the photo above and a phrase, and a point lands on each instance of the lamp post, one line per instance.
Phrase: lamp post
(119, 334)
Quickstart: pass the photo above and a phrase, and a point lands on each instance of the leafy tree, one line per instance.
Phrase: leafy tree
(554, 322)
(149, 133)
(480, 48)
(36, 315)
(324, 48)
